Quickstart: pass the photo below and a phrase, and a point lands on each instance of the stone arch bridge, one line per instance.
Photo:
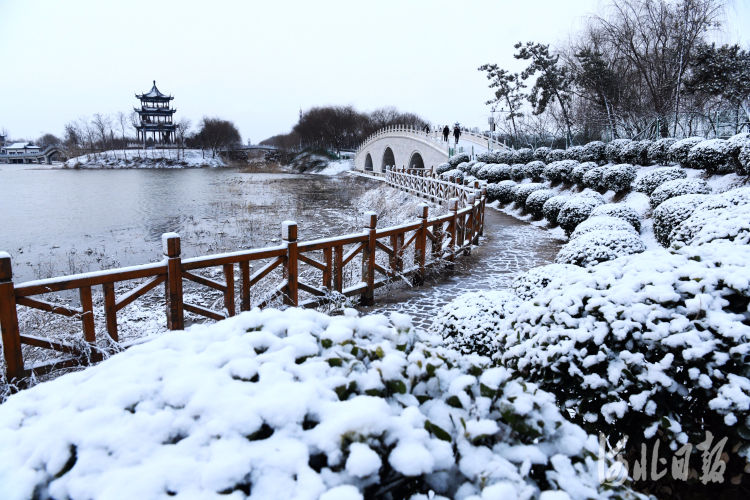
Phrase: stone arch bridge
(409, 147)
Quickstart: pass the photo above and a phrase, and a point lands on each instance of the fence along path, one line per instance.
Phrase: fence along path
(381, 252)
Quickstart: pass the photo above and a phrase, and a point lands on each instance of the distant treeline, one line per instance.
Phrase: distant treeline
(340, 127)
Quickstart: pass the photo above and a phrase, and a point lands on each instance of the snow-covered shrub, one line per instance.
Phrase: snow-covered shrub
(737, 141)
(456, 174)
(535, 170)
(536, 200)
(597, 246)
(559, 171)
(618, 178)
(486, 157)
(527, 285)
(592, 194)
(522, 191)
(442, 168)
(672, 212)
(484, 172)
(523, 155)
(469, 323)
(743, 160)
(636, 152)
(459, 158)
(652, 180)
(541, 153)
(464, 167)
(601, 223)
(714, 220)
(739, 146)
(574, 153)
(653, 345)
(518, 171)
(498, 172)
(551, 208)
(554, 155)
(294, 404)
(613, 150)
(714, 156)
(501, 191)
(476, 168)
(620, 211)
(593, 178)
(678, 187)
(576, 176)
(504, 156)
(678, 152)
(594, 151)
(576, 210)
(658, 151)
(469, 180)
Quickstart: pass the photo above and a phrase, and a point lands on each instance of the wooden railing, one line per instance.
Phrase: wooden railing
(429, 241)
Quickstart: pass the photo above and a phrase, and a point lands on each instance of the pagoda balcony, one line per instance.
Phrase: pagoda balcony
(155, 111)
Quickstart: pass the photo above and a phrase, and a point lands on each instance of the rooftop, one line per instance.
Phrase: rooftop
(20, 145)
(154, 93)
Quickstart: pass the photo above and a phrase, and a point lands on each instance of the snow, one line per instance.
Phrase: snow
(336, 167)
(146, 158)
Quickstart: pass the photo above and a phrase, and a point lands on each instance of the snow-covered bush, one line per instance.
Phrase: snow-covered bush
(636, 152)
(464, 167)
(541, 153)
(593, 178)
(551, 208)
(536, 200)
(739, 146)
(523, 155)
(658, 151)
(618, 178)
(476, 168)
(576, 176)
(678, 187)
(469, 323)
(743, 160)
(518, 171)
(576, 210)
(559, 171)
(535, 170)
(498, 172)
(456, 174)
(442, 168)
(522, 191)
(594, 151)
(601, 223)
(620, 211)
(678, 152)
(714, 156)
(501, 191)
(554, 155)
(613, 150)
(574, 153)
(527, 285)
(469, 180)
(504, 156)
(486, 157)
(652, 180)
(459, 158)
(484, 172)
(672, 212)
(722, 217)
(596, 246)
(294, 404)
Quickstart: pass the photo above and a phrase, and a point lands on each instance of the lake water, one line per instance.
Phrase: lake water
(60, 221)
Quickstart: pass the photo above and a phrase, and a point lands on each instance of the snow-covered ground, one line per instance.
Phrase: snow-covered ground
(337, 167)
(146, 158)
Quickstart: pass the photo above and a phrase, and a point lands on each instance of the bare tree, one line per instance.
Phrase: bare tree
(182, 129)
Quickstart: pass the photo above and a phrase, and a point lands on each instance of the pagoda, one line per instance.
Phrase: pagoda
(155, 116)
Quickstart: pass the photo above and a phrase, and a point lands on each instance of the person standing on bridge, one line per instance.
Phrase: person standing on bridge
(456, 132)
(446, 133)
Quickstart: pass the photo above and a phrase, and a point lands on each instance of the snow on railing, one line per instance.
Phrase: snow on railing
(435, 136)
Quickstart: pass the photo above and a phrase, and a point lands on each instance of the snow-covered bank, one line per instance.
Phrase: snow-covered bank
(294, 404)
(146, 158)
(337, 167)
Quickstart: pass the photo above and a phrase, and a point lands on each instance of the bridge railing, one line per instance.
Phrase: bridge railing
(294, 273)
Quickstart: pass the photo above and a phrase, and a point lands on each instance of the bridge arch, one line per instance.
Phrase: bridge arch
(416, 160)
(368, 163)
(389, 160)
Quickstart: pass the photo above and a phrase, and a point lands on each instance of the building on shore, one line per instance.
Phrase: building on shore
(155, 118)
(19, 152)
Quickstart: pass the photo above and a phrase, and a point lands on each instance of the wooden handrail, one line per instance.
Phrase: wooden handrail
(447, 237)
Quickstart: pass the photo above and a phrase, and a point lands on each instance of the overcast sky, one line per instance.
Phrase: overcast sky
(258, 62)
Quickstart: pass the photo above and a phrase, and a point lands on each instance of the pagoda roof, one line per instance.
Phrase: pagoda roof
(154, 93)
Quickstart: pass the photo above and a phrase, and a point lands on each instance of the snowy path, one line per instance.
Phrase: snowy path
(508, 247)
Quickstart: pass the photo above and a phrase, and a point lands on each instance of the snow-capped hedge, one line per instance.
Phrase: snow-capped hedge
(486, 157)
(293, 404)
(455, 174)
(536, 200)
(618, 178)
(522, 191)
(594, 151)
(499, 172)
(518, 171)
(469, 180)
(601, 223)
(678, 152)
(714, 156)
(576, 176)
(596, 246)
(720, 217)
(620, 211)
(652, 180)
(551, 208)
(476, 168)
(484, 171)
(576, 210)
(504, 156)
(593, 178)
(743, 160)
(442, 168)
(523, 155)
(527, 285)
(541, 153)
(464, 167)
(678, 187)
(501, 191)
(559, 171)
(459, 158)
(535, 170)
(554, 155)
(636, 152)
(574, 153)
(672, 212)
(614, 149)
(658, 151)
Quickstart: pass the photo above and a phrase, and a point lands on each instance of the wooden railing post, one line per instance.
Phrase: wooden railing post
(173, 285)
(420, 244)
(245, 286)
(368, 259)
(289, 235)
(9, 321)
(453, 228)
(469, 235)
